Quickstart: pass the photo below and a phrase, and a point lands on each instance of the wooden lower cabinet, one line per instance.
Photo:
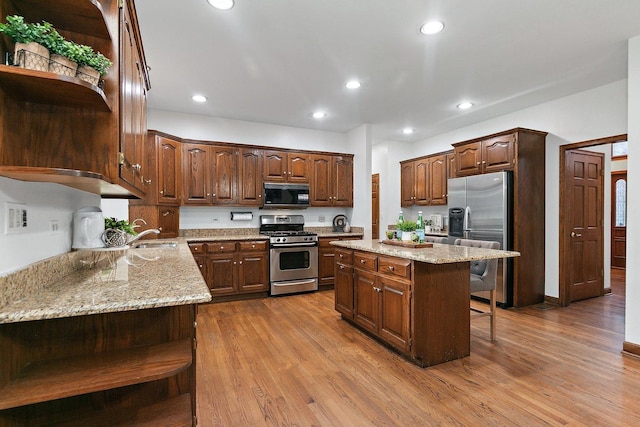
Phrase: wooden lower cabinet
(326, 261)
(233, 269)
(127, 368)
(419, 309)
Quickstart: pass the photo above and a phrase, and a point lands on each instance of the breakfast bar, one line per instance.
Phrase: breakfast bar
(415, 300)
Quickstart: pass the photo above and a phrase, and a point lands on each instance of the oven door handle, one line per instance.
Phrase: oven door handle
(293, 245)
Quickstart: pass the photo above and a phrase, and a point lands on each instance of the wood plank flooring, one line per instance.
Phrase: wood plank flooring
(291, 361)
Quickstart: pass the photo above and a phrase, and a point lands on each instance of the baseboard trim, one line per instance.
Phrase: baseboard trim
(552, 300)
(631, 349)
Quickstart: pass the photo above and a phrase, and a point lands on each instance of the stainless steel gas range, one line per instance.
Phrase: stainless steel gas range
(293, 254)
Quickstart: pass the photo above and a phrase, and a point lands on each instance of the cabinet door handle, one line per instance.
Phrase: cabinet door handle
(147, 181)
(159, 228)
(253, 246)
(239, 263)
(165, 213)
(341, 267)
(484, 162)
(234, 263)
(221, 247)
(136, 167)
(478, 163)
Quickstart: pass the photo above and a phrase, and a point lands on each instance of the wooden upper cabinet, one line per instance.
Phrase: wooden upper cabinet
(275, 166)
(484, 156)
(283, 166)
(421, 182)
(320, 189)
(498, 153)
(298, 167)
(168, 176)
(438, 180)
(250, 177)
(224, 172)
(451, 165)
(342, 170)
(469, 159)
(331, 180)
(196, 186)
(133, 101)
(407, 183)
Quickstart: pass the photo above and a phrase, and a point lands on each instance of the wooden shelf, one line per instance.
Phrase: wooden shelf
(173, 412)
(82, 180)
(43, 381)
(42, 87)
(85, 17)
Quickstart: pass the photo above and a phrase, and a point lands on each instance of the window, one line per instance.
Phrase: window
(621, 203)
(619, 150)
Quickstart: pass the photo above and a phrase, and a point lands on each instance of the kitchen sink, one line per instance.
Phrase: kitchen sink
(155, 245)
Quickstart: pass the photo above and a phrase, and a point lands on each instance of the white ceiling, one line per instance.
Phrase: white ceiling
(277, 61)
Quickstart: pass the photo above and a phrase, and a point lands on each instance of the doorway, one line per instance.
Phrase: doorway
(375, 206)
(581, 221)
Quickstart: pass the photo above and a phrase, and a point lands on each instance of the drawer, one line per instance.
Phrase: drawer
(221, 247)
(395, 267)
(365, 261)
(253, 245)
(198, 248)
(344, 256)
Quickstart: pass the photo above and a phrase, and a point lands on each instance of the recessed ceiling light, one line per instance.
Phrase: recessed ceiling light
(319, 115)
(221, 4)
(464, 105)
(199, 98)
(408, 131)
(352, 84)
(432, 27)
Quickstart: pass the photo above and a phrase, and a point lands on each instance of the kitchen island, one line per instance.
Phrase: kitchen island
(415, 300)
(101, 337)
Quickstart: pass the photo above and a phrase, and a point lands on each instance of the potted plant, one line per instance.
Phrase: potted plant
(407, 228)
(116, 232)
(91, 65)
(31, 42)
(62, 57)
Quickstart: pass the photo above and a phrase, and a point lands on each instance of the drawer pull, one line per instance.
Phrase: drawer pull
(253, 246)
(341, 256)
(391, 268)
(377, 289)
(362, 261)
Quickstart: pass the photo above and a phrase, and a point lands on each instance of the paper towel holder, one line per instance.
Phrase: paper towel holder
(241, 216)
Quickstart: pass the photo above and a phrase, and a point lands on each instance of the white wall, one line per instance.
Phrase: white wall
(44, 202)
(597, 113)
(632, 312)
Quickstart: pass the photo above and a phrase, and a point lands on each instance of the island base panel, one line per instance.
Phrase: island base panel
(441, 329)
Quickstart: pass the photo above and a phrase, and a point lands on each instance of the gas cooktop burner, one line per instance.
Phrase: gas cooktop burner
(287, 233)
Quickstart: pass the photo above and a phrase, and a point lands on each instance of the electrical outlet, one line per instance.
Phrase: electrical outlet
(321, 218)
(54, 226)
(16, 217)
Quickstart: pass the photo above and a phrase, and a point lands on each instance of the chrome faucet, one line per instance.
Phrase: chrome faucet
(142, 234)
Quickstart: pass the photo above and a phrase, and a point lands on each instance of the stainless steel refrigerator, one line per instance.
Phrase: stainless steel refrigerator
(481, 208)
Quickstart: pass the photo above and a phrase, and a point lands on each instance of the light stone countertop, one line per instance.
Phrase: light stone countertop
(438, 254)
(137, 279)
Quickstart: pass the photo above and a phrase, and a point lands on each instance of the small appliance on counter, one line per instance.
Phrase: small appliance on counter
(436, 222)
(88, 226)
(339, 223)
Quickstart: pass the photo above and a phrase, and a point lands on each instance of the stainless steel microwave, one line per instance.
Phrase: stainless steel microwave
(287, 196)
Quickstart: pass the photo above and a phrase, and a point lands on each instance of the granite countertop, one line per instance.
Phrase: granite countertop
(120, 280)
(438, 254)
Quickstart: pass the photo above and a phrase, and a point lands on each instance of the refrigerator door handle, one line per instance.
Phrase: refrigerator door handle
(466, 222)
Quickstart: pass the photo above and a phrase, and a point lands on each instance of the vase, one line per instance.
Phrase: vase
(88, 74)
(32, 56)
(406, 236)
(62, 65)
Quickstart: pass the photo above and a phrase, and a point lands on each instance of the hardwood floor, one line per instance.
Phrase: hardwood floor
(291, 361)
